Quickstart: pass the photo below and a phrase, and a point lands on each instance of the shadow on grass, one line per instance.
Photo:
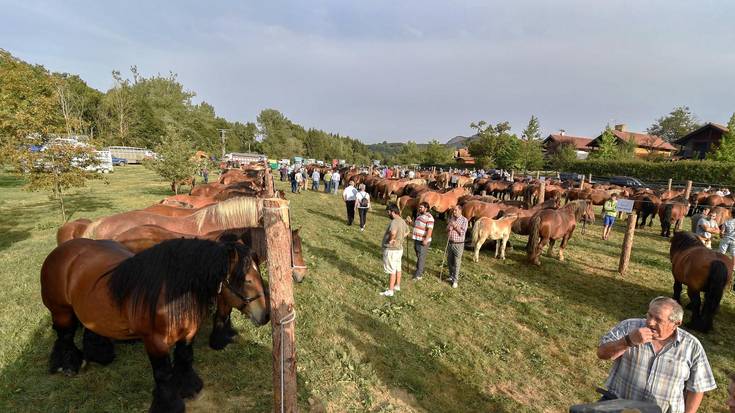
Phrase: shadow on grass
(430, 385)
(11, 181)
(163, 191)
(81, 203)
(346, 267)
(238, 378)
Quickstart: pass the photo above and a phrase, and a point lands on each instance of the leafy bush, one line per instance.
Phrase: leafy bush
(706, 171)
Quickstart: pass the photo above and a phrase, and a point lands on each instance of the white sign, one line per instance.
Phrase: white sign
(625, 205)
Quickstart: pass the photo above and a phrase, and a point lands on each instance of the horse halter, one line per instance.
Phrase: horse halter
(245, 300)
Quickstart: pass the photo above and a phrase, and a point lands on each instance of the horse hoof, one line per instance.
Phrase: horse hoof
(191, 385)
(167, 406)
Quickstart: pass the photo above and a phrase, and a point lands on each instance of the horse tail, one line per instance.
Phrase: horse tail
(476, 232)
(533, 234)
(716, 283)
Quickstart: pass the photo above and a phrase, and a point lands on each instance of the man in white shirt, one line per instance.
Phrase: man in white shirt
(335, 181)
(349, 196)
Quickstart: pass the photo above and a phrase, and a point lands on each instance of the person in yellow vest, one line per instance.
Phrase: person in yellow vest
(609, 210)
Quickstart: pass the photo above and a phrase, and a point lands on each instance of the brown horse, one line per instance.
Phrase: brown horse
(473, 210)
(161, 296)
(233, 213)
(170, 210)
(495, 229)
(138, 239)
(702, 270)
(441, 202)
(70, 230)
(646, 205)
(548, 225)
(718, 200)
(521, 226)
(207, 190)
(670, 212)
(191, 201)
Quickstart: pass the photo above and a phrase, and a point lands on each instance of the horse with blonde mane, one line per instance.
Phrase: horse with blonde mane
(495, 229)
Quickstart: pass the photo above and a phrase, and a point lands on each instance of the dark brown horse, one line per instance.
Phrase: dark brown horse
(138, 239)
(670, 212)
(549, 225)
(72, 229)
(160, 296)
(702, 270)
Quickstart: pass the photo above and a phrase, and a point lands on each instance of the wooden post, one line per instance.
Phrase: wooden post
(278, 241)
(541, 192)
(538, 174)
(627, 244)
(687, 193)
(269, 190)
(669, 184)
(558, 176)
(581, 184)
(589, 178)
(512, 174)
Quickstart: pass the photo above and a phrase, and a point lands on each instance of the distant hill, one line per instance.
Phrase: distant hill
(460, 141)
(389, 149)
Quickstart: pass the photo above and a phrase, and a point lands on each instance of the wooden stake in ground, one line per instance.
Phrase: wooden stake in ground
(541, 192)
(669, 184)
(687, 193)
(278, 241)
(268, 184)
(627, 244)
(538, 174)
(581, 184)
(512, 174)
(589, 178)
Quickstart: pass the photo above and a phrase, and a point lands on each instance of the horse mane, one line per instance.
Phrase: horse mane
(186, 272)
(679, 199)
(231, 213)
(578, 207)
(683, 240)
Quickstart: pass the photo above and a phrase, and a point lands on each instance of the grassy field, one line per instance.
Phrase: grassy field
(511, 338)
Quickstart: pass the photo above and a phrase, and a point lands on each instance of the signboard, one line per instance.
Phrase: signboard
(625, 205)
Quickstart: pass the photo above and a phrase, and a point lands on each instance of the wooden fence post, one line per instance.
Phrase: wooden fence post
(541, 192)
(627, 244)
(581, 184)
(687, 193)
(512, 174)
(558, 176)
(589, 179)
(538, 174)
(669, 184)
(278, 241)
(269, 190)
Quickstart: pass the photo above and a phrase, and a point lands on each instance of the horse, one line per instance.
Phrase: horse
(521, 226)
(495, 229)
(70, 230)
(441, 202)
(232, 213)
(473, 210)
(702, 270)
(161, 296)
(548, 225)
(646, 205)
(177, 184)
(169, 210)
(672, 211)
(138, 239)
(188, 201)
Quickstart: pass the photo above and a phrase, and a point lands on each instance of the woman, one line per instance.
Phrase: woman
(362, 204)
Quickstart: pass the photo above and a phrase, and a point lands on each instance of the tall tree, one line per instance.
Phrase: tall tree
(607, 147)
(278, 137)
(494, 146)
(437, 153)
(532, 131)
(530, 150)
(679, 122)
(725, 151)
(175, 161)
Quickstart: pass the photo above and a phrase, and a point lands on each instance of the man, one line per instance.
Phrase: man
(656, 361)
(328, 181)
(411, 174)
(315, 176)
(294, 182)
(393, 249)
(707, 227)
(422, 230)
(456, 229)
(696, 217)
(609, 210)
(335, 181)
(727, 237)
(349, 196)
(388, 173)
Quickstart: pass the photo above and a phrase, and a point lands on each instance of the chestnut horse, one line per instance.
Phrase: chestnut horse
(72, 229)
(702, 270)
(233, 213)
(441, 202)
(548, 225)
(521, 226)
(161, 296)
(646, 205)
(141, 238)
(192, 201)
(670, 212)
(473, 210)
(495, 229)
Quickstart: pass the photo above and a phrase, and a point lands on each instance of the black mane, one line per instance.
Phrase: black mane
(188, 273)
(684, 240)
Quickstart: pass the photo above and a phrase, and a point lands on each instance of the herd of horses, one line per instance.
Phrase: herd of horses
(496, 208)
(154, 275)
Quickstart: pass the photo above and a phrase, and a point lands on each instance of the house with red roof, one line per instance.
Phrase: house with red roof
(697, 144)
(644, 143)
(554, 141)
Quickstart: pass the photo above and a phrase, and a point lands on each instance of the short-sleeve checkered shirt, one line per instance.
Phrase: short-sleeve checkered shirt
(641, 374)
(457, 235)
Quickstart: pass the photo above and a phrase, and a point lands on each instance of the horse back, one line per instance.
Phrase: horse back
(691, 266)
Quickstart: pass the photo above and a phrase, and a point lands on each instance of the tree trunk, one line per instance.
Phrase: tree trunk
(61, 203)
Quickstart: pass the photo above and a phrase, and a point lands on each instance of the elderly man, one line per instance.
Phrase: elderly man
(456, 229)
(697, 216)
(657, 361)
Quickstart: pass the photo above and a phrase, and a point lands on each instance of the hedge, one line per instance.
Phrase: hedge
(706, 171)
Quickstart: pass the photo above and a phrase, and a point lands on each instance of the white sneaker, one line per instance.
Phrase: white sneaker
(397, 288)
(362, 229)
(454, 284)
(387, 293)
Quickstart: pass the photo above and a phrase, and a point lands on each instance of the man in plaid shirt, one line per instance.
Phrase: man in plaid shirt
(456, 229)
(656, 361)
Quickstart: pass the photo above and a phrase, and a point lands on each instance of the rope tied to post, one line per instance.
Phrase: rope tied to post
(288, 319)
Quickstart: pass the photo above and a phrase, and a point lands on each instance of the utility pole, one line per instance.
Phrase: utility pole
(222, 136)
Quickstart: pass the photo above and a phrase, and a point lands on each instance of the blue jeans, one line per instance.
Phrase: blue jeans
(327, 186)
(335, 186)
(293, 185)
(315, 186)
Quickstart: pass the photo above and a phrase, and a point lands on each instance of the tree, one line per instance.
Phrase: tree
(726, 149)
(676, 124)
(59, 167)
(532, 131)
(436, 153)
(530, 150)
(174, 162)
(607, 147)
(562, 156)
(494, 146)
(278, 136)
(410, 154)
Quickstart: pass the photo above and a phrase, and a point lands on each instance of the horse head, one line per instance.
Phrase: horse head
(243, 286)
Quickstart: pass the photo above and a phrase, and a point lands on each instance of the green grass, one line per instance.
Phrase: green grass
(511, 338)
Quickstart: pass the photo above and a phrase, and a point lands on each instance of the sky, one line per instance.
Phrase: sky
(404, 70)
